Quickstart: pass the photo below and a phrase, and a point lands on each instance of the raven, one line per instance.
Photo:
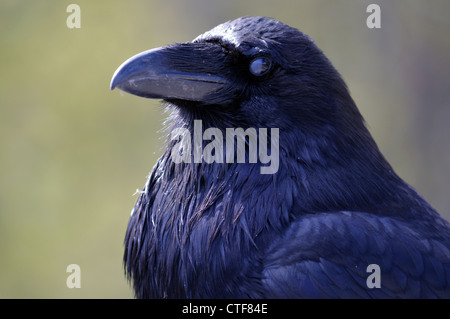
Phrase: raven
(332, 221)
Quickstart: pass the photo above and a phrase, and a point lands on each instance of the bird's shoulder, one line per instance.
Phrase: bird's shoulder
(338, 254)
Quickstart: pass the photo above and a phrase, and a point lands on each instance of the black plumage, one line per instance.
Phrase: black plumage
(311, 229)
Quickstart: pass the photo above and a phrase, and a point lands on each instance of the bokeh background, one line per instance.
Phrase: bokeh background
(72, 153)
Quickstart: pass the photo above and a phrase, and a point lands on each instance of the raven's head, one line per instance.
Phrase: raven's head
(251, 68)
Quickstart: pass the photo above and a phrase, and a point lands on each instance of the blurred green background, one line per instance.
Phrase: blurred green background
(72, 153)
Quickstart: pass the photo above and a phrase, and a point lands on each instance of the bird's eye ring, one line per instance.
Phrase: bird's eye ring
(260, 66)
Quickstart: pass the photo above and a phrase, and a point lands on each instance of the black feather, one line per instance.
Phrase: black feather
(335, 206)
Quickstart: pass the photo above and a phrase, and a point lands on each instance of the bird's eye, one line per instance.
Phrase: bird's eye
(260, 66)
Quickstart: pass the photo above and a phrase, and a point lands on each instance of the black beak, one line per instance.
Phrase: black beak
(185, 71)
